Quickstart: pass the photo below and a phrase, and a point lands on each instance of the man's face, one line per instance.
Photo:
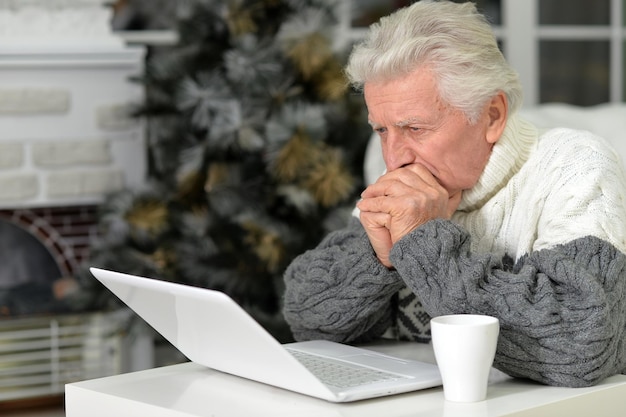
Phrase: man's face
(417, 127)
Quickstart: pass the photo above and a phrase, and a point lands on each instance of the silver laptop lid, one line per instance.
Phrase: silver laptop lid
(209, 328)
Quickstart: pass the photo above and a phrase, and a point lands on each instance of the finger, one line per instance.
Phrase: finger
(393, 187)
(453, 204)
(404, 203)
(421, 171)
(374, 205)
(378, 235)
(371, 205)
(374, 219)
(413, 173)
(413, 176)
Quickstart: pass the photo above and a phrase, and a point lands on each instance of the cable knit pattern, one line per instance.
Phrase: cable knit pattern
(340, 291)
(562, 311)
(537, 193)
(539, 242)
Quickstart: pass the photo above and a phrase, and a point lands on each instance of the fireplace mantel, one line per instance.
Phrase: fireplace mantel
(56, 24)
(66, 134)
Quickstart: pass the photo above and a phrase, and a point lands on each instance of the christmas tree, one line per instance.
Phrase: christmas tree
(256, 147)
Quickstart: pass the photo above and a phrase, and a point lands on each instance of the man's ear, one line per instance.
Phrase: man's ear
(497, 112)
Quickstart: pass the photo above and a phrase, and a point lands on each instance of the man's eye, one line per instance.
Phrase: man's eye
(380, 130)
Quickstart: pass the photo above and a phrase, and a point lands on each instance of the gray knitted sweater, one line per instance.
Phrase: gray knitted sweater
(538, 243)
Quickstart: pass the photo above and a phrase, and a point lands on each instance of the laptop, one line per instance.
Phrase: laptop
(211, 329)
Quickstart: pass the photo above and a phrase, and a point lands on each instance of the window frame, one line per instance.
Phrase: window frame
(520, 34)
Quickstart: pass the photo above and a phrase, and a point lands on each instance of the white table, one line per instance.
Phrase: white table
(192, 390)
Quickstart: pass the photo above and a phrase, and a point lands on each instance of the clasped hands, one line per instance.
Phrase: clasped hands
(400, 201)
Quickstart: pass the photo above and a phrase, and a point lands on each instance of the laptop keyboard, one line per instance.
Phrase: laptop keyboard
(341, 375)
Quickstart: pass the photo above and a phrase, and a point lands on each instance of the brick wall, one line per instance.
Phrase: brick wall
(67, 136)
(64, 231)
(57, 170)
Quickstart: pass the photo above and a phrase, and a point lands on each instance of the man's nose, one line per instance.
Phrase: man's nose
(396, 152)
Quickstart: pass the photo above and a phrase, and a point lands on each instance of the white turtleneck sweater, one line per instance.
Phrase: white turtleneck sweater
(538, 242)
(536, 192)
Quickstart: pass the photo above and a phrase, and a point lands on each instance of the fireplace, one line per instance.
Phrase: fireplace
(40, 250)
(67, 139)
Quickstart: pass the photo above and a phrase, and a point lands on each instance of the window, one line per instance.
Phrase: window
(564, 50)
(571, 51)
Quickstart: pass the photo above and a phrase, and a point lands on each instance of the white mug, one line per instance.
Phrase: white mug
(465, 346)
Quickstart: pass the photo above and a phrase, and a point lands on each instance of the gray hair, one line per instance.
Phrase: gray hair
(454, 40)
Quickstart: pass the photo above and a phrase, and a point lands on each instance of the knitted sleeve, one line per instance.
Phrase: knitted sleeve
(562, 310)
(339, 291)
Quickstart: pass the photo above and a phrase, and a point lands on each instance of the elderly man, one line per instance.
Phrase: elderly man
(477, 212)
